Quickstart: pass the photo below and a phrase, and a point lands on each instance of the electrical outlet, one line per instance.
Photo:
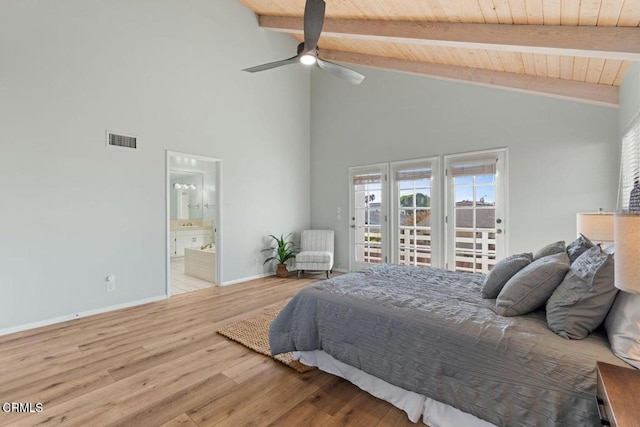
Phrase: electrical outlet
(110, 286)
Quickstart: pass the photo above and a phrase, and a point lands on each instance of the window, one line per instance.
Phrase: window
(630, 164)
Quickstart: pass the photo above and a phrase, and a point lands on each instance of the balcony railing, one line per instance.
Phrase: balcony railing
(415, 246)
(475, 249)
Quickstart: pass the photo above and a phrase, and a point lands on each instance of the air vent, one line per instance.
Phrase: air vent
(124, 141)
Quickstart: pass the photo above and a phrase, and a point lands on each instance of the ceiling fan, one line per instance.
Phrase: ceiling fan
(308, 51)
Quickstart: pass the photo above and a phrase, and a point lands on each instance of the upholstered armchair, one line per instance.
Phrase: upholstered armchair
(316, 251)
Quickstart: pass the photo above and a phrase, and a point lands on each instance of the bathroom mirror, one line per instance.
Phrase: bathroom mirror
(186, 194)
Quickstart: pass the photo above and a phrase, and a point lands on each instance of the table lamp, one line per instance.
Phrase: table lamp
(627, 257)
(596, 226)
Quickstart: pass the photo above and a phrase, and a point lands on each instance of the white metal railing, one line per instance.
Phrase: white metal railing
(370, 250)
(478, 257)
(371, 255)
(414, 248)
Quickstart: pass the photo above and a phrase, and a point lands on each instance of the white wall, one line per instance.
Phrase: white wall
(167, 71)
(562, 154)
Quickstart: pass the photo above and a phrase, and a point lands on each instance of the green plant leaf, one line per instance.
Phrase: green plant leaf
(270, 259)
(284, 249)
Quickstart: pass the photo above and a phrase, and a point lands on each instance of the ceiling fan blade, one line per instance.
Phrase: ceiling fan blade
(340, 71)
(313, 21)
(271, 65)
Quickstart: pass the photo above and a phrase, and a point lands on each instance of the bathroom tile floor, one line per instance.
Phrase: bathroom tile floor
(181, 283)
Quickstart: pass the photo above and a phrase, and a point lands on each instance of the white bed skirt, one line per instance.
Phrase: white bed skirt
(434, 413)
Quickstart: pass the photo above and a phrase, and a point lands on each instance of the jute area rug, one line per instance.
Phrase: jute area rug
(253, 333)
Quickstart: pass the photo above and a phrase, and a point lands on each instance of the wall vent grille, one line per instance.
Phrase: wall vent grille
(124, 141)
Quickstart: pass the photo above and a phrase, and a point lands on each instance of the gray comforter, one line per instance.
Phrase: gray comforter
(429, 331)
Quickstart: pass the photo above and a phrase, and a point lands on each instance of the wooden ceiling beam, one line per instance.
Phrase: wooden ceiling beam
(620, 43)
(592, 93)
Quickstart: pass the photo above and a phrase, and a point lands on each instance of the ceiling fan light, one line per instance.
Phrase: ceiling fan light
(308, 59)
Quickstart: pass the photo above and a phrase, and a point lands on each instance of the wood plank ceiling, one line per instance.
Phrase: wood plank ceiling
(577, 49)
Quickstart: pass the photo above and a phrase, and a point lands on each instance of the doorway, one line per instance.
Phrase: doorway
(415, 212)
(475, 219)
(368, 214)
(194, 218)
(408, 213)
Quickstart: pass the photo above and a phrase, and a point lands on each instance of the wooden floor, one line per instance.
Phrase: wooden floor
(162, 364)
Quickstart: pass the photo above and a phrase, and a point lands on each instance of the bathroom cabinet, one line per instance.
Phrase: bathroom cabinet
(183, 239)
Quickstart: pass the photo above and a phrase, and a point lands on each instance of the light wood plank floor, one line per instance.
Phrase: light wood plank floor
(162, 364)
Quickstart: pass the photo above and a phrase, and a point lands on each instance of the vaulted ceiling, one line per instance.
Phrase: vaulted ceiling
(576, 49)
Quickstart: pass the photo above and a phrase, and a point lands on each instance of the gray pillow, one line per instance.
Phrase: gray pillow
(551, 249)
(531, 286)
(584, 297)
(623, 327)
(502, 272)
(578, 247)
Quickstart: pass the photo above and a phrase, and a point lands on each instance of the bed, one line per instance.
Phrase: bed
(410, 333)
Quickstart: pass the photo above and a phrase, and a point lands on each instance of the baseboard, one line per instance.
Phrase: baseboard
(263, 275)
(68, 317)
(246, 279)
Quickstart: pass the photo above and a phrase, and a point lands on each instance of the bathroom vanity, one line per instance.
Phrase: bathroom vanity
(189, 237)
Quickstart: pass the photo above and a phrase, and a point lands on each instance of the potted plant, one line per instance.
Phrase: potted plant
(283, 252)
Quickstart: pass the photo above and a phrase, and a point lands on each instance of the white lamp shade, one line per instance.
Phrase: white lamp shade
(627, 258)
(596, 226)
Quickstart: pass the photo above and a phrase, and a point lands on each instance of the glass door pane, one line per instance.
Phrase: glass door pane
(368, 216)
(475, 220)
(413, 191)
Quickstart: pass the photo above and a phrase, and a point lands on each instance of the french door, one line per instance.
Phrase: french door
(475, 201)
(415, 212)
(368, 214)
(409, 213)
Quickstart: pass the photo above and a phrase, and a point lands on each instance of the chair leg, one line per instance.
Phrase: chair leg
(299, 273)
(328, 274)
